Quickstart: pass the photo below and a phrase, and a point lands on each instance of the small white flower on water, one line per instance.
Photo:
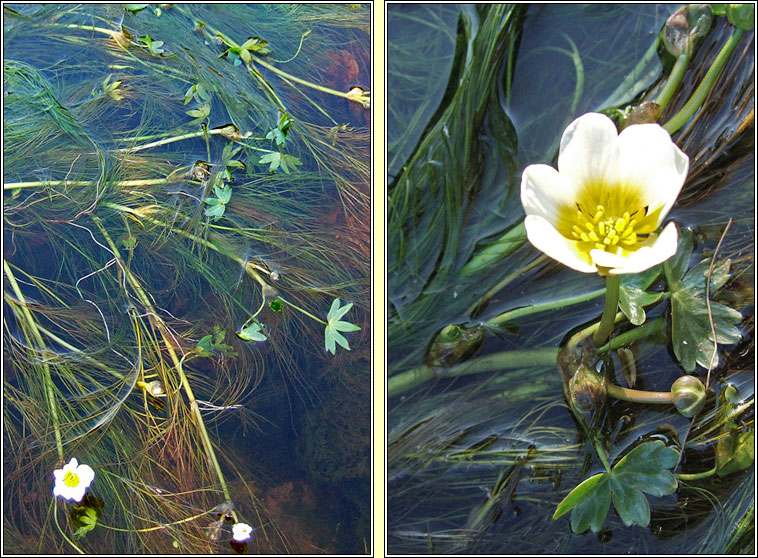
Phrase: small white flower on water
(600, 211)
(72, 481)
(241, 531)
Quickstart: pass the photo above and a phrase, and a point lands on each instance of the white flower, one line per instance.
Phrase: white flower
(72, 481)
(241, 531)
(601, 209)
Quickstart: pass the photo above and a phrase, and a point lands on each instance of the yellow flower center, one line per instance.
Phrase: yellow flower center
(71, 479)
(615, 218)
(604, 231)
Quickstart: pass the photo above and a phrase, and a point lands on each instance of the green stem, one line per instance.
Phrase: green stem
(612, 283)
(681, 117)
(44, 183)
(582, 334)
(405, 381)
(302, 310)
(37, 336)
(165, 141)
(285, 75)
(553, 305)
(638, 396)
(675, 78)
(600, 450)
(623, 339)
(697, 476)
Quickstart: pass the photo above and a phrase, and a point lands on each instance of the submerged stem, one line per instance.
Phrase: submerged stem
(673, 81)
(405, 381)
(681, 117)
(697, 476)
(32, 325)
(169, 344)
(545, 306)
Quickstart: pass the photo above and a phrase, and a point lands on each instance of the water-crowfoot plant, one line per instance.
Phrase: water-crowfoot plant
(131, 265)
(612, 243)
(73, 480)
(601, 210)
(468, 414)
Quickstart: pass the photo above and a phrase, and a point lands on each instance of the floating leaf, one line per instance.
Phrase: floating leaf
(155, 47)
(334, 326)
(205, 346)
(252, 332)
(633, 296)
(200, 112)
(288, 161)
(274, 158)
(644, 470)
(134, 8)
(691, 334)
(214, 342)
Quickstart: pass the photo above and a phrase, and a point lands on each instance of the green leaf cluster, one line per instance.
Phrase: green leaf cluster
(279, 134)
(84, 516)
(335, 325)
(201, 112)
(217, 206)
(109, 88)
(277, 160)
(692, 338)
(155, 47)
(644, 470)
(214, 342)
(198, 92)
(242, 53)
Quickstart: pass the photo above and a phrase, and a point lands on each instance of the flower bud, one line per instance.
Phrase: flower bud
(454, 344)
(688, 395)
(586, 389)
(686, 27)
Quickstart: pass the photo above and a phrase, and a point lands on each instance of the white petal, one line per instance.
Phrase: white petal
(86, 475)
(76, 493)
(656, 251)
(545, 238)
(644, 156)
(71, 465)
(583, 147)
(544, 192)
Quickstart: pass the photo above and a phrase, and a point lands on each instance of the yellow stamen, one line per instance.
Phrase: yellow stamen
(71, 479)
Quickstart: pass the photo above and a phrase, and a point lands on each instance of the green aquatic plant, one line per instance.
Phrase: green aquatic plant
(131, 259)
(335, 325)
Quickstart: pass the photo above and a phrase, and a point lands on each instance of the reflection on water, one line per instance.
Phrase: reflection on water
(481, 445)
(186, 192)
